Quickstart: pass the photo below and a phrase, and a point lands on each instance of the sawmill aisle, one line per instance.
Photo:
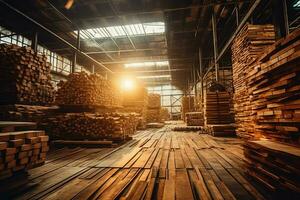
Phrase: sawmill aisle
(156, 164)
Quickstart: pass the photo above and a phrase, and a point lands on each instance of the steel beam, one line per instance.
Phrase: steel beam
(34, 43)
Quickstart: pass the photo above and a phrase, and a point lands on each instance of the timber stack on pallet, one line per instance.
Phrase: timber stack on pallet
(217, 108)
(154, 108)
(88, 126)
(22, 150)
(194, 118)
(274, 88)
(220, 130)
(275, 166)
(247, 46)
(164, 114)
(187, 105)
(136, 101)
(24, 76)
(82, 89)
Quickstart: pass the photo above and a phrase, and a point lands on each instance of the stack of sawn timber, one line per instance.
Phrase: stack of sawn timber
(154, 109)
(275, 166)
(194, 118)
(218, 119)
(22, 150)
(187, 105)
(24, 76)
(90, 126)
(136, 101)
(247, 46)
(274, 86)
(82, 89)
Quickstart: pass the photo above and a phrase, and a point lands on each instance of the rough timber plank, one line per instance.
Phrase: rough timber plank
(157, 164)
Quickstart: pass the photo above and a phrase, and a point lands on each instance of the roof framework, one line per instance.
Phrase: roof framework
(118, 32)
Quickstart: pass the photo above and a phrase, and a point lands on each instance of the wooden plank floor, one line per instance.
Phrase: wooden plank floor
(156, 164)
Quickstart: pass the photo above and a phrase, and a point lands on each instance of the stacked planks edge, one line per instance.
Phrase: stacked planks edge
(194, 118)
(22, 150)
(247, 46)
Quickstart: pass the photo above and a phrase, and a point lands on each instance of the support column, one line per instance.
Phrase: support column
(75, 52)
(215, 43)
(201, 76)
(280, 18)
(93, 69)
(34, 42)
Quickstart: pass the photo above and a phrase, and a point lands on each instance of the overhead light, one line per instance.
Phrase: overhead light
(147, 64)
(154, 76)
(127, 84)
(145, 29)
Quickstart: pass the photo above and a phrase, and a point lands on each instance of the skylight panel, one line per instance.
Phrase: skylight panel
(147, 64)
(154, 76)
(122, 31)
(297, 4)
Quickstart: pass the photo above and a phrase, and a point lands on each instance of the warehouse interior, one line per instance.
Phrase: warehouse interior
(150, 99)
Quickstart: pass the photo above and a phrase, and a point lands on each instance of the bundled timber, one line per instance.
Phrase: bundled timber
(217, 108)
(275, 166)
(22, 150)
(88, 126)
(153, 115)
(154, 101)
(84, 89)
(194, 118)
(164, 114)
(24, 76)
(274, 88)
(220, 130)
(247, 46)
(187, 105)
(29, 113)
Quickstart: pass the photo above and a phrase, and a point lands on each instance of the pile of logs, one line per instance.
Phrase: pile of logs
(24, 76)
(220, 130)
(274, 88)
(88, 126)
(217, 108)
(22, 150)
(247, 46)
(88, 89)
(194, 118)
(187, 105)
(275, 166)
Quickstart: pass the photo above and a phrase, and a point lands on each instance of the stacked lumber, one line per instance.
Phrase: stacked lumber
(153, 115)
(247, 46)
(30, 113)
(220, 130)
(164, 114)
(194, 118)
(217, 108)
(88, 89)
(187, 105)
(88, 126)
(275, 166)
(22, 150)
(24, 76)
(274, 87)
(136, 101)
(154, 101)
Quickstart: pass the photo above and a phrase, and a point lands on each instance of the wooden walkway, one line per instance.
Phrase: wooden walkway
(156, 164)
